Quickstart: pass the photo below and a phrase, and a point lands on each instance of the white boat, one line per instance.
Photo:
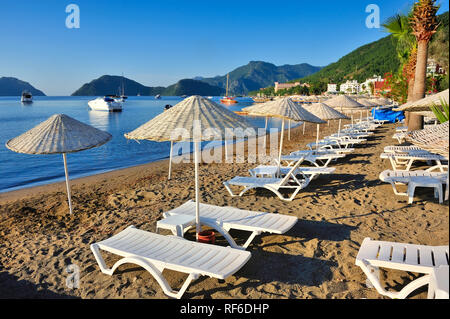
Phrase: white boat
(157, 96)
(26, 97)
(106, 103)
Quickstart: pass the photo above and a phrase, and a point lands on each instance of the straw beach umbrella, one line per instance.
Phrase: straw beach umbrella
(345, 103)
(434, 139)
(191, 116)
(326, 113)
(425, 103)
(367, 103)
(59, 134)
(286, 109)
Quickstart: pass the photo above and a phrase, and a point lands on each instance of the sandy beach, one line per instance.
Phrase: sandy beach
(315, 259)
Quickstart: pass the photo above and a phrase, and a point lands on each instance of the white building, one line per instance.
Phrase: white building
(365, 87)
(350, 87)
(332, 88)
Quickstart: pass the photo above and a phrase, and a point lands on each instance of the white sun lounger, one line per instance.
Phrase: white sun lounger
(334, 143)
(155, 252)
(404, 161)
(373, 255)
(414, 179)
(272, 171)
(400, 137)
(290, 181)
(225, 218)
(325, 150)
(315, 160)
(404, 149)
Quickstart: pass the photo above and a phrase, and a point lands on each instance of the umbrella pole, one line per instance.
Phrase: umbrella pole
(304, 126)
(339, 128)
(170, 160)
(281, 147)
(352, 118)
(289, 131)
(226, 150)
(317, 137)
(265, 136)
(197, 195)
(67, 183)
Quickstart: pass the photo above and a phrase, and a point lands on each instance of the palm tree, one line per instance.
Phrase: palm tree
(424, 24)
(400, 28)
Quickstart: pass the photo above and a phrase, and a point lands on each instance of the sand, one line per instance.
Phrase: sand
(315, 259)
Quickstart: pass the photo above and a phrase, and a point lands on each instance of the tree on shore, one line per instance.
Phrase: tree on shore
(423, 24)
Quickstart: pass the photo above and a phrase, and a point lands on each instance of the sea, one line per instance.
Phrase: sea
(24, 170)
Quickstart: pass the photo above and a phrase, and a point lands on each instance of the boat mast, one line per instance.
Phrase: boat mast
(228, 75)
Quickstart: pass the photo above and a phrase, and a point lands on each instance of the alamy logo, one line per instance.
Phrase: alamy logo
(73, 19)
(373, 19)
(73, 280)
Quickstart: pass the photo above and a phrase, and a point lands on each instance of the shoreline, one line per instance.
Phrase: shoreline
(9, 195)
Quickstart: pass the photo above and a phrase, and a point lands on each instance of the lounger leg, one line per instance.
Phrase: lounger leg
(250, 239)
(227, 186)
(154, 271)
(224, 233)
(373, 279)
(411, 189)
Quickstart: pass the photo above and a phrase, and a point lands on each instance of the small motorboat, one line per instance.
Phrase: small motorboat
(27, 97)
(111, 103)
(157, 96)
(228, 100)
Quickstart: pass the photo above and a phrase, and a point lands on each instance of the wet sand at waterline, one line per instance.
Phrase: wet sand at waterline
(315, 259)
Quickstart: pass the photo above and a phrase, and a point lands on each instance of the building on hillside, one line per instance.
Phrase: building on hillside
(381, 88)
(332, 88)
(282, 86)
(366, 86)
(433, 68)
(350, 87)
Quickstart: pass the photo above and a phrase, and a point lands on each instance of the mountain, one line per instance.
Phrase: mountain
(14, 87)
(111, 84)
(378, 58)
(258, 74)
(375, 58)
(191, 87)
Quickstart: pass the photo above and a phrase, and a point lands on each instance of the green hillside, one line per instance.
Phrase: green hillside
(14, 87)
(191, 87)
(379, 57)
(111, 84)
(375, 58)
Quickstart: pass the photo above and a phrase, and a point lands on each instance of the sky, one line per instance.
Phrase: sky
(157, 43)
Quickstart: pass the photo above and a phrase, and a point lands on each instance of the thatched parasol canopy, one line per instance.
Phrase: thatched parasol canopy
(185, 115)
(434, 139)
(58, 134)
(425, 103)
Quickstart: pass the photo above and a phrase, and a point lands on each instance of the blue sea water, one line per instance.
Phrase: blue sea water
(24, 170)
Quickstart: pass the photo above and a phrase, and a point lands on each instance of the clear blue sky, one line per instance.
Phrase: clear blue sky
(161, 42)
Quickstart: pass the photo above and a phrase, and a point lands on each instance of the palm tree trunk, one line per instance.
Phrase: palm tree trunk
(420, 79)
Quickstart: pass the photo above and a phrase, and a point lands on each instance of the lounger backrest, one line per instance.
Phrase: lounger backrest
(291, 174)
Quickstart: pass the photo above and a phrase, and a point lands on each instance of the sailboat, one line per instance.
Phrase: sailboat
(228, 99)
(122, 96)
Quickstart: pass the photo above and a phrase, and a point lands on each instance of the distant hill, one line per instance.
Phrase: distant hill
(14, 87)
(375, 58)
(111, 84)
(191, 87)
(379, 57)
(258, 74)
